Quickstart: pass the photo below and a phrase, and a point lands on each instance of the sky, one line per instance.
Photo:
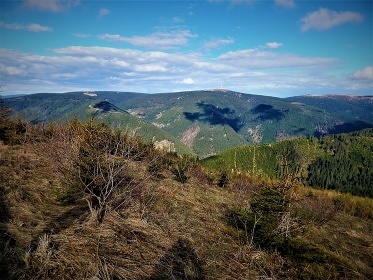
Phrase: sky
(276, 48)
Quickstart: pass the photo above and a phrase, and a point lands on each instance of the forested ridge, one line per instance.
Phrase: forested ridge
(342, 162)
(346, 165)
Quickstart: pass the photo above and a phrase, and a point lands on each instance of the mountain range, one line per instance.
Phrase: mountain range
(204, 122)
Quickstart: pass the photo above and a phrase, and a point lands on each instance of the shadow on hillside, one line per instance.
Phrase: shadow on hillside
(345, 128)
(215, 116)
(350, 127)
(64, 221)
(180, 262)
(106, 107)
(267, 112)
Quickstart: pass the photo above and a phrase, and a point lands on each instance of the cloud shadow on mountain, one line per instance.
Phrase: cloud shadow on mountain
(215, 116)
(349, 127)
(267, 112)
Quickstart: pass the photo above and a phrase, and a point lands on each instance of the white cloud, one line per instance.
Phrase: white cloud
(103, 12)
(157, 40)
(273, 45)
(51, 5)
(214, 44)
(285, 3)
(364, 74)
(188, 81)
(325, 19)
(102, 68)
(32, 27)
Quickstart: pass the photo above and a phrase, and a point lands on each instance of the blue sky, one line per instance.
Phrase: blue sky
(277, 48)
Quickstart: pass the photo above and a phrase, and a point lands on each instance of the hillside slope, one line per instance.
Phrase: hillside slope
(159, 228)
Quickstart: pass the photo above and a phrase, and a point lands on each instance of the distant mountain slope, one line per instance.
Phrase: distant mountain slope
(211, 121)
(354, 111)
(341, 162)
(49, 107)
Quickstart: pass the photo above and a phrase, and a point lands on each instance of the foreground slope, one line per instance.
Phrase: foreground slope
(160, 228)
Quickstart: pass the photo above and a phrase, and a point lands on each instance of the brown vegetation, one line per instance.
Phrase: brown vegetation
(157, 226)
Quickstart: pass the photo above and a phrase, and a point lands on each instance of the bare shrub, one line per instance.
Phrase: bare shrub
(95, 161)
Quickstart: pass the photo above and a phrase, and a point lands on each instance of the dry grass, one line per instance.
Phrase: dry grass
(164, 230)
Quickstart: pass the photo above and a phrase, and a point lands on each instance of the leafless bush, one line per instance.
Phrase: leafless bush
(95, 161)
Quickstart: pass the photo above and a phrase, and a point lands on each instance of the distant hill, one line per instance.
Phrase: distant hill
(50, 107)
(354, 111)
(341, 162)
(211, 121)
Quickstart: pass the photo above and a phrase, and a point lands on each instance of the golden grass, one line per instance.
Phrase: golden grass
(164, 229)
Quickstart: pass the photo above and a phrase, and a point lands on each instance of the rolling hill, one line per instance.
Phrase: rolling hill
(211, 121)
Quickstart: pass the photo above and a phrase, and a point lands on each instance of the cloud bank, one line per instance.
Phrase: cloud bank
(258, 71)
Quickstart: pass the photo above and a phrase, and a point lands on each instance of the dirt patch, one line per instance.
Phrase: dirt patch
(255, 134)
(190, 134)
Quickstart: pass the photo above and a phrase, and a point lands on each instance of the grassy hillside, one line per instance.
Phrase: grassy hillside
(154, 226)
(342, 162)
